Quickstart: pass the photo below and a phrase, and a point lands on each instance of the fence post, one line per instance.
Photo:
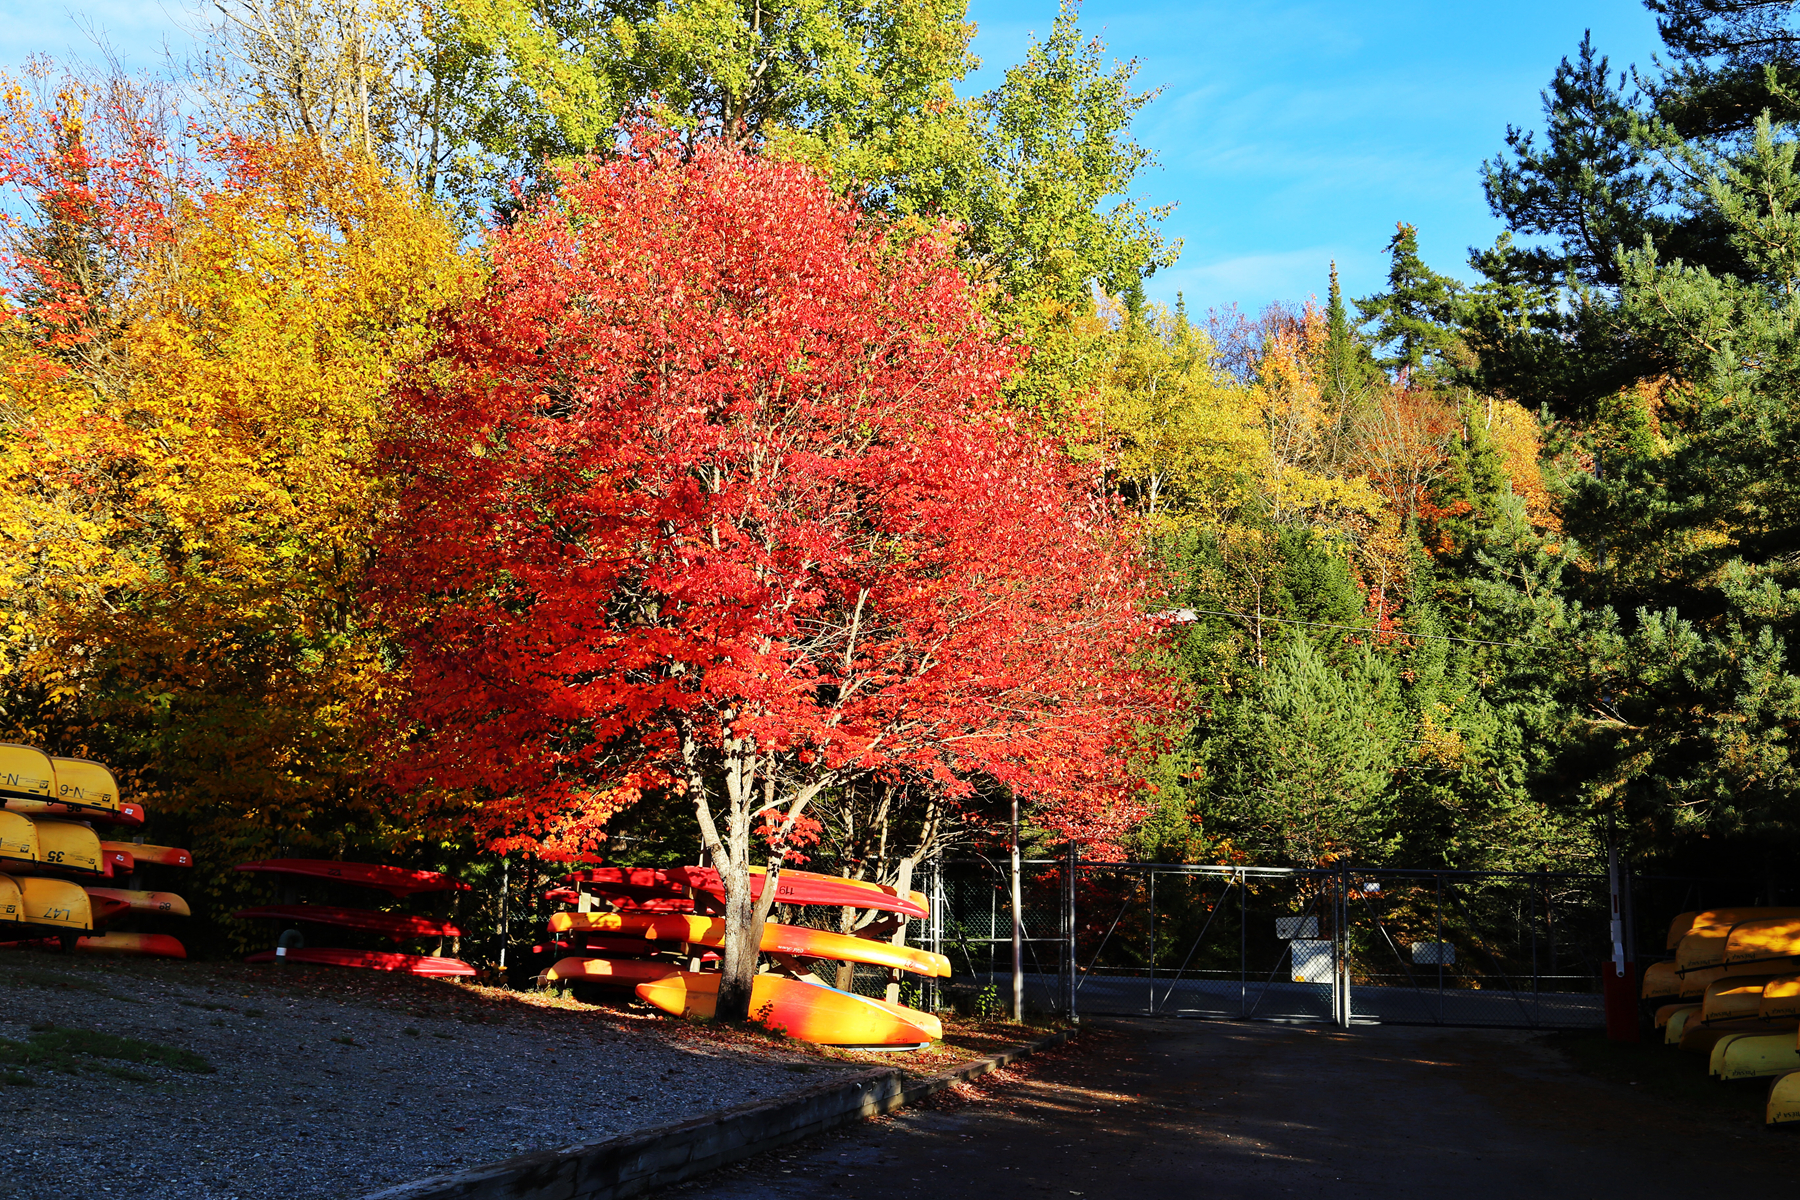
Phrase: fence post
(1074, 950)
(1018, 947)
(1243, 947)
(1150, 1008)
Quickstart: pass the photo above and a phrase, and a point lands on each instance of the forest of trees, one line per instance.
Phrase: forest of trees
(441, 430)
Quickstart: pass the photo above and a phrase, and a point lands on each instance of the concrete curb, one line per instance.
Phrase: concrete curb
(666, 1154)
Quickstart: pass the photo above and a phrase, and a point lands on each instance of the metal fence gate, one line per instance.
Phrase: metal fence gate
(1349, 946)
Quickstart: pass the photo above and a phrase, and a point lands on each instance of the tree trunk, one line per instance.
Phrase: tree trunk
(903, 885)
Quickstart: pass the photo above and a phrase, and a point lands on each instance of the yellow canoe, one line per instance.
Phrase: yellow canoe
(1780, 998)
(1732, 999)
(65, 845)
(1667, 1011)
(809, 1012)
(84, 783)
(776, 939)
(1754, 1055)
(26, 773)
(1660, 980)
(1705, 942)
(54, 902)
(1784, 1100)
(1699, 951)
(1694, 983)
(1763, 939)
(1701, 1036)
(18, 838)
(12, 905)
(1677, 1023)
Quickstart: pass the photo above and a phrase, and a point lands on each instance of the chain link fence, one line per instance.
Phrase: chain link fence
(1352, 946)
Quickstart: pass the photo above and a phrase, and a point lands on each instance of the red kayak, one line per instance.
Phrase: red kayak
(371, 960)
(398, 926)
(166, 856)
(396, 881)
(134, 945)
(806, 888)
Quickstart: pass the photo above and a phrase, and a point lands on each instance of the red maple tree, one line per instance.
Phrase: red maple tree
(711, 491)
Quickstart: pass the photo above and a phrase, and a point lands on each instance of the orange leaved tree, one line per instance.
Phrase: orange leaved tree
(710, 492)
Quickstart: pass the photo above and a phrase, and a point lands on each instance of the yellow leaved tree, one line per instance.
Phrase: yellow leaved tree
(196, 361)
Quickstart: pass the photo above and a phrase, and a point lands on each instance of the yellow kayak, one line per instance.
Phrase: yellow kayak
(808, 1012)
(1780, 998)
(1694, 983)
(1784, 1100)
(776, 939)
(1678, 928)
(1754, 1055)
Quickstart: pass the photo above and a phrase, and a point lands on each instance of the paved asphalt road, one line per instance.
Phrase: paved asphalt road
(1155, 1109)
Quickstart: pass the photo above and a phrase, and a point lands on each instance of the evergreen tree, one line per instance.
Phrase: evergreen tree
(1412, 319)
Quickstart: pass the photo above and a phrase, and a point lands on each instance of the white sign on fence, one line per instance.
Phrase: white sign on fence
(1312, 961)
(1434, 953)
(1288, 928)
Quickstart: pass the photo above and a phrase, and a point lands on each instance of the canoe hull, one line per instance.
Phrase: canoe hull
(1660, 981)
(124, 900)
(162, 856)
(807, 1012)
(426, 965)
(1754, 1055)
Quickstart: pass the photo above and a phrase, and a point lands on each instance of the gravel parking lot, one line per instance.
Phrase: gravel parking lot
(330, 1083)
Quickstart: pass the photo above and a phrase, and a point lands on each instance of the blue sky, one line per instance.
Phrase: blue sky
(1288, 133)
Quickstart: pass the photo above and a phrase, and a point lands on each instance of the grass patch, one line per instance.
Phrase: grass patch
(63, 1049)
(1662, 1072)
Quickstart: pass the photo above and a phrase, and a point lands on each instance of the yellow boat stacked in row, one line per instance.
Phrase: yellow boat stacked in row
(1732, 992)
(55, 869)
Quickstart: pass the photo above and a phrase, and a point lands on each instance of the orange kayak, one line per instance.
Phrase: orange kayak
(114, 902)
(809, 1012)
(610, 972)
(776, 939)
(370, 960)
(162, 856)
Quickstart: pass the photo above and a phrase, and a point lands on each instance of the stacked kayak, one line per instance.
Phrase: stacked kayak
(57, 874)
(1732, 992)
(655, 929)
(395, 927)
